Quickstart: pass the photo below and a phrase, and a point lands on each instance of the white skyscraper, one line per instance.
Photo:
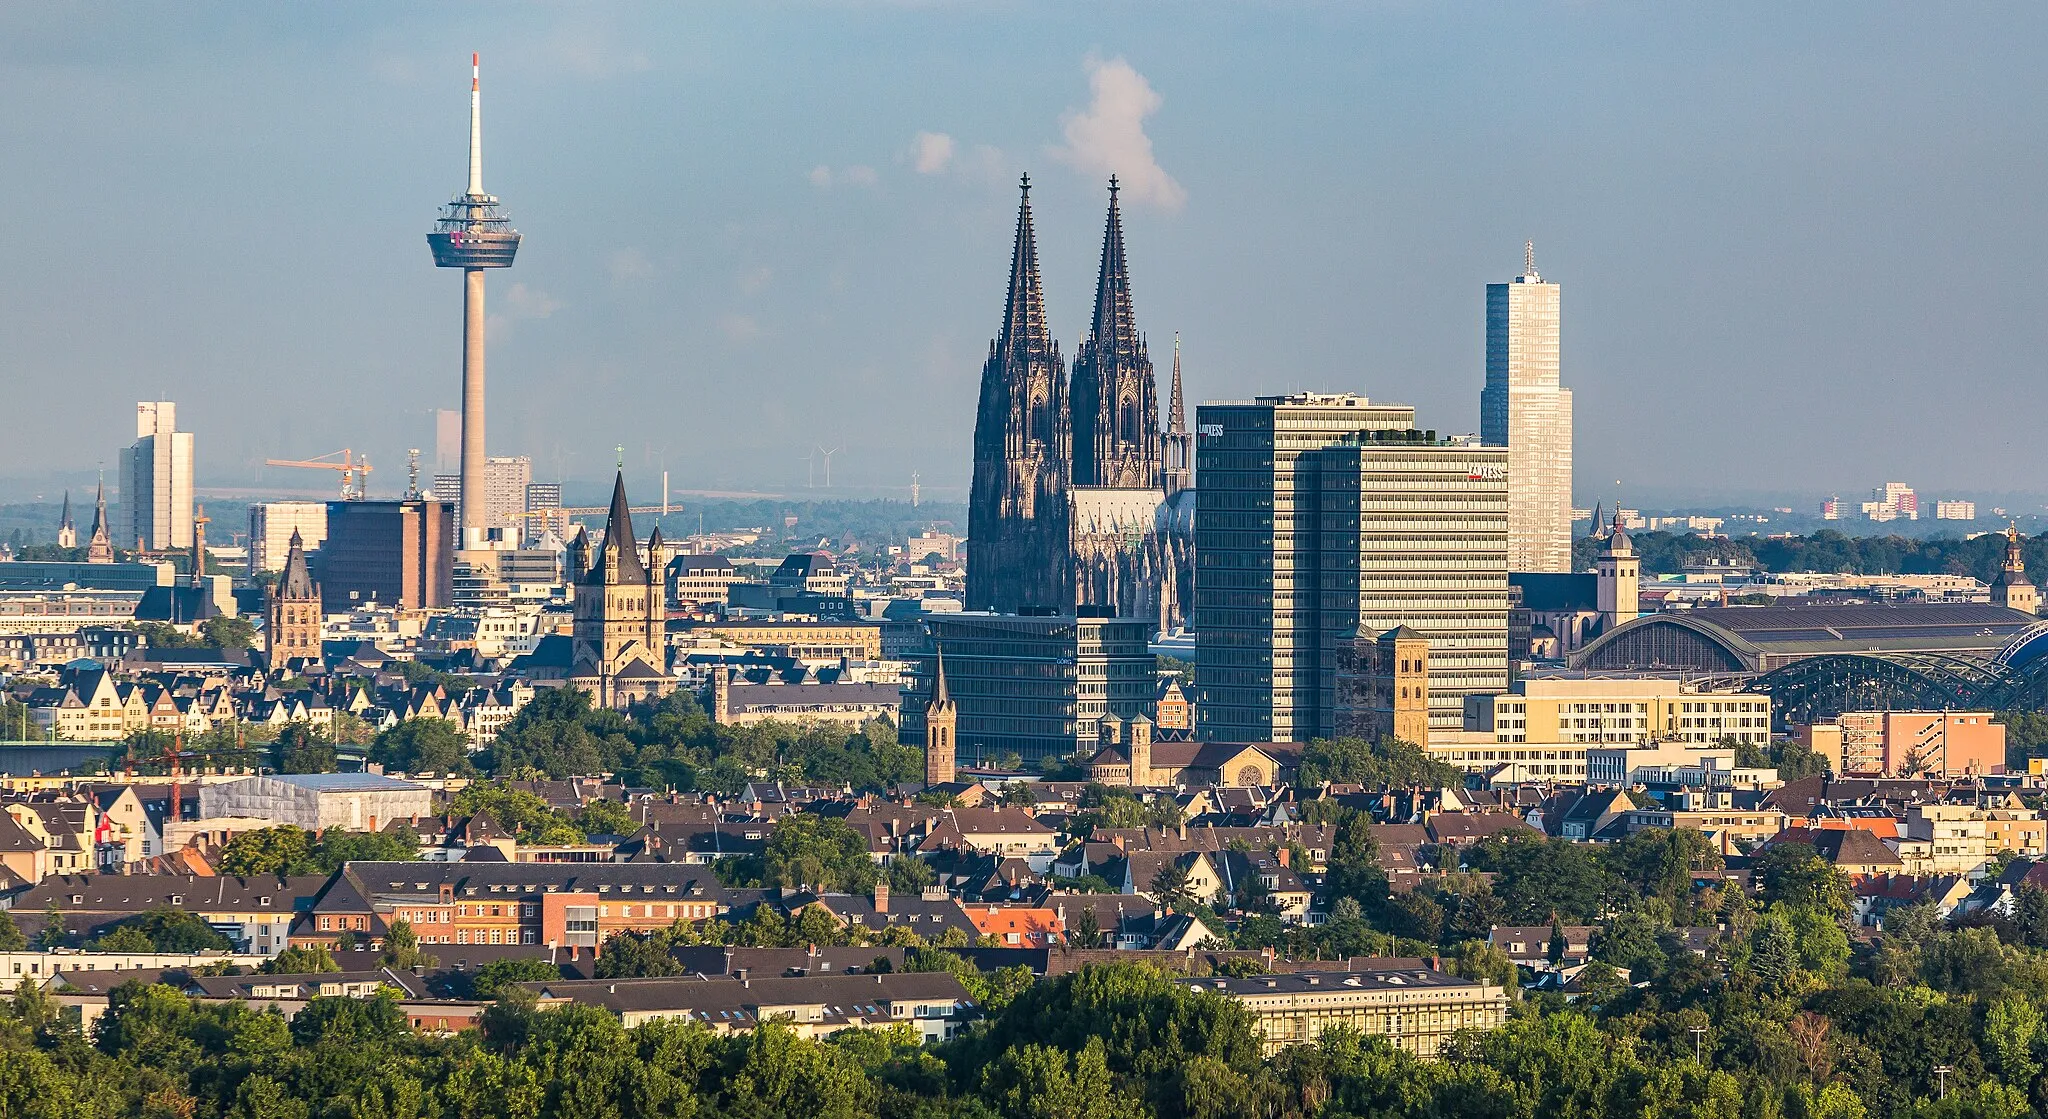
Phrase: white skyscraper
(1523, 408)
(156, 481)
(272, 524)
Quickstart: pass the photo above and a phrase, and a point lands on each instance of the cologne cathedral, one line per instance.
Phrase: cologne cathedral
(1079, 500)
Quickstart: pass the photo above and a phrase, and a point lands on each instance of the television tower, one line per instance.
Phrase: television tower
(473, 234)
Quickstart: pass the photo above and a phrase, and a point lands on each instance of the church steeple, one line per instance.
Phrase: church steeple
(941, 724)
(1115, 323)
(1024, 331)
(2012, 589)
(101, 547)
(1023, 442)
(1177, 448)
(1116, 398)
(620, 551)
(67, 533)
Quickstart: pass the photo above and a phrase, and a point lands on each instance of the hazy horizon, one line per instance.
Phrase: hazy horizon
(1796, 248)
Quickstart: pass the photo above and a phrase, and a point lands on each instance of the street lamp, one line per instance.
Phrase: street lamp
(1696, 1031)
(1941, 1075)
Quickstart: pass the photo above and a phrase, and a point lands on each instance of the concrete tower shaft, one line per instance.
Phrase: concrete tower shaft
(473, 234)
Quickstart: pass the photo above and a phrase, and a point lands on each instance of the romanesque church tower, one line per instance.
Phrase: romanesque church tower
(619, 636)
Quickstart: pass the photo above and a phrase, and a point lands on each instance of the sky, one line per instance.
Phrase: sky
(1801, 246)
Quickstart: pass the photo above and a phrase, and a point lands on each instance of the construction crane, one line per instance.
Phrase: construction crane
(355, 473)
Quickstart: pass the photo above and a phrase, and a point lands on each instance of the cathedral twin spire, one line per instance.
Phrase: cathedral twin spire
(1039, 433)
(1116, 402)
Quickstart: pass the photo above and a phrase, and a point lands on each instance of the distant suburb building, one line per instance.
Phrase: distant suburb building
(1415, 1008)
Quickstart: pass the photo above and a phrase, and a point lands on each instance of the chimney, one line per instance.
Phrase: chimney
(882, 895)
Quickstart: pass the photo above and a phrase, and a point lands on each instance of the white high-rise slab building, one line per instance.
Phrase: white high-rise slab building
(156, 481)
(505, 481)
(271, 525)
(1524, 409)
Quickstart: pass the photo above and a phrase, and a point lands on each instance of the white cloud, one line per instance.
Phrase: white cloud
(859, 175)
(1108, 137)
(520, 301)
(739, 328)
(931, 151)
(630, 266)
(755, 280)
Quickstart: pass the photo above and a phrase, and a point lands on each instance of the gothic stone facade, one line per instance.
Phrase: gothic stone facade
(1070, 505)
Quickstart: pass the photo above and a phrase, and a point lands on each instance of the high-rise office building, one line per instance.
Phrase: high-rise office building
(506, 479)
(542, 497)
(1038, 686)
(1328, 519)
(1523, 409)
(156, 481)
(388, 553)
(447, 441)
(272, 525)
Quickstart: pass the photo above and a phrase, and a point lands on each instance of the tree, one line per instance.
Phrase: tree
(1170, 888)
(11, 939)
(909, 875)
(1559, 945)
(1353, 868)
(1478, 960)
(1084, 931)
(492, 978)
(304, 748)
(228, 631)
(606, 817)
(124, 938)
(54, 933)
(282, 850)
(808, 851)
(422, 746)
(1793, 873)
(402, 947)
(527, 816)
(1535, 877)
(301, 961)
(636, 955)
(163, 929)
(1386, 763)
(1773, 952)
(338, 847)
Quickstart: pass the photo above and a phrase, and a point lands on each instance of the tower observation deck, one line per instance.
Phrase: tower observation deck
(473, 234)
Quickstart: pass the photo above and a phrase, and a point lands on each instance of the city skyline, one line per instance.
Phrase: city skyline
(798, 284)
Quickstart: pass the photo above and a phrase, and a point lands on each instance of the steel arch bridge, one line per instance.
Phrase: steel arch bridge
(1824, 686)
